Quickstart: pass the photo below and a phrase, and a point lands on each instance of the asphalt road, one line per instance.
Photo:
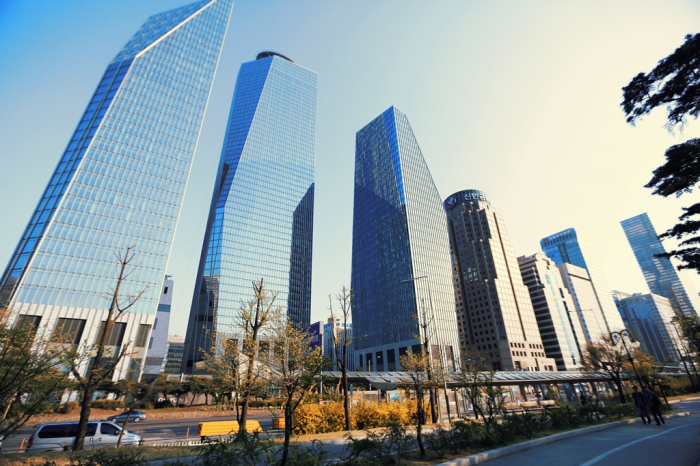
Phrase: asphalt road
(153, 429)
(675, 444)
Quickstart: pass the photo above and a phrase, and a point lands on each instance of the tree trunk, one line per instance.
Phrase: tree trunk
(84, 418)
(287, 431)
(433, 410)
(346, 400)
(126, 422)
(244, 417)
(419, 427)
(618, 383)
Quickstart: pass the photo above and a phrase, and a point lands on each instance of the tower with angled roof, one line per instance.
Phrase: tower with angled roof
(401, 272)
(260, 222)
(119, 183)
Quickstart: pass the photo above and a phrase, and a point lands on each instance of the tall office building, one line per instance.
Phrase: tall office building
(590, 315)
(572, 247)
(158, 343)
(260, 222)
(174, 354)
(659, 272)
(649, 317)
(560, 328)
(120, 182)
(400, 250)
(335, 328)
(494, 310)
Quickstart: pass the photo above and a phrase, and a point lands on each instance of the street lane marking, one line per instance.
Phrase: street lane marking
(610, 452)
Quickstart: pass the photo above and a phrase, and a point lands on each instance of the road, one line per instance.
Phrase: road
(677, 443)
(153, 429)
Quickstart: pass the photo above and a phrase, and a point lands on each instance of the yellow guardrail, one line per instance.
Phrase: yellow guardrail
(208, 429)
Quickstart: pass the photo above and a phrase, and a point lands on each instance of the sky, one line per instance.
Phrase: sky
(518, 99)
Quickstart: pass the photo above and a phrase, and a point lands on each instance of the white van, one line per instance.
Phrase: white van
(59, 436)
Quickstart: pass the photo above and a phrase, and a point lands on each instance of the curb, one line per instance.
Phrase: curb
(518, 447)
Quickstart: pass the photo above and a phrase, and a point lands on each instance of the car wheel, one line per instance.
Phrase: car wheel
(138, 419)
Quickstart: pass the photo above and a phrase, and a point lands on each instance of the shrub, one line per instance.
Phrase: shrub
(330, 417)
(163, 404)
(68, 407)
(107, 404)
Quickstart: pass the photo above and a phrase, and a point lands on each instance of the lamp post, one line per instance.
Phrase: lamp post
(621, 336)
(430, 356)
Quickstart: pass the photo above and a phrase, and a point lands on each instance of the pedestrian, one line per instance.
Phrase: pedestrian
(583, 398)
(654, 404)
(641, 405)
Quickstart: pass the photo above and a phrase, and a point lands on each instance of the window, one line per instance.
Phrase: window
(116, 334)
(165, 291)
(68, 331)
(142, 336)
(108, 429)
(30, 323)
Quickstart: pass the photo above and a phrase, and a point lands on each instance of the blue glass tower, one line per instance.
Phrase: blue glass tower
(661, 276)
(650, 318)
(261, 217)
(400, 249)
(571, 247)
(120, 182)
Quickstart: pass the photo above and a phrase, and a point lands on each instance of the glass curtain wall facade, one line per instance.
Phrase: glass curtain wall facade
(590, 315)
(261, 218)
(400, 250)
(560, 328)
(659, 272)
(493, 306)
(121, 180)
(572, 247)
(649, 317)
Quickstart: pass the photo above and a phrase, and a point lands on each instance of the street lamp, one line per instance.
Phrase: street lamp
(440, 345)
(620, 337)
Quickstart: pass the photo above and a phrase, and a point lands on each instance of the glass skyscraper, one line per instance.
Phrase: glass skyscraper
(659, 272)
(400, 250)
(560, 328)
(120, 183)
(572, 247)
(261, 217)
(494, 311)
(649, 317)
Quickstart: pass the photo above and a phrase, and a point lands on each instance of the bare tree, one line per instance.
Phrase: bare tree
(417, 378)
(604, 357)
(254, 319)
(224, 361)
(475, 376)
(101, 366)
(340, 345)
(295, 368)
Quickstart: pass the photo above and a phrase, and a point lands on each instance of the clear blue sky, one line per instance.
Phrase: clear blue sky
(518, 99)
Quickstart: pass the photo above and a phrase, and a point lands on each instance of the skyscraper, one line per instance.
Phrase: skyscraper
(659, 272)
(649, 317)
(590, 315)
(400, 250)
(572, 247)
(494, 310)
(260, 222)
(560, 328)
(120, 182)
(158, 343)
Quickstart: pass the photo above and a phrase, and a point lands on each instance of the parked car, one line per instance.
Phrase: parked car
(59, 436)
(136, 416)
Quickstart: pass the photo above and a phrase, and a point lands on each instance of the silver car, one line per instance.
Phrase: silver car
(136, 416)
(60, 436)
